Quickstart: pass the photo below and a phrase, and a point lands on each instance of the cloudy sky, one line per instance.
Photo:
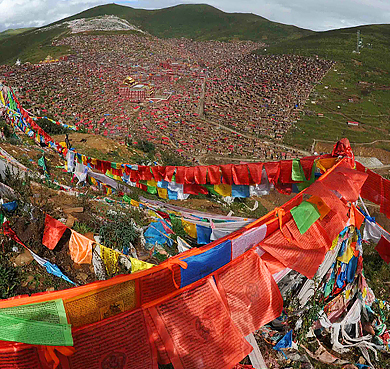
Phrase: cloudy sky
(318, 15)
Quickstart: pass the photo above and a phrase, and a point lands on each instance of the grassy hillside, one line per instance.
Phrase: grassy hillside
(13, 32)
(200, 22)
(356, 89)
(30, 46)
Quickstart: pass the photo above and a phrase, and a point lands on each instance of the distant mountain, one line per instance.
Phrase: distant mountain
(199, 22)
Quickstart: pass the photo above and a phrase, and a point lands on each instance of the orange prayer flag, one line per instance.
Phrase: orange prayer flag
(80, 248)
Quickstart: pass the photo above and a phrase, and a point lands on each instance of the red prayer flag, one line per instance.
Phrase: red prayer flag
(383, 248)
(53, 232)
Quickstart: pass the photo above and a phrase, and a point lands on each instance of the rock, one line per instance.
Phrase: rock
(73, 210)
(24, 258)
(82, 276)
(27, 281)
(90, 236)
(70, 221)
(367, 327)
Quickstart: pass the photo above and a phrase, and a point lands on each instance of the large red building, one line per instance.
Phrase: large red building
(137, 93)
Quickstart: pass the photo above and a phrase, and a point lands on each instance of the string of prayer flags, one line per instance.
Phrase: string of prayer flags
(37, 324)
(53, 232)
(305, 215)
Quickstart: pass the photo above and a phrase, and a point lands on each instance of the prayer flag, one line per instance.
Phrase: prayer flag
(53, 232)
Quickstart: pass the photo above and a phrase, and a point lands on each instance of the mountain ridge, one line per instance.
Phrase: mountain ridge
(194, 21)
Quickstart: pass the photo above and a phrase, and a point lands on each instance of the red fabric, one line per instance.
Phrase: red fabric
(360, 167)
(285, 171)
(227, 175)
(200, 175)
(117, 172)
(121, 341)
(162, 355)
(144, 173)
(252, 295)
(330, 199)
(273, 264)
(255, 170)
(197, 330)
(8, 231)
(169, 171)
(347, 182)
(158, 173)
(180, 175)
(134, 175)
(305, 257)
(189, 175)
(240, 174)
(53, 232)
(214, 174)
(284, 188)
(272, 169)
(158, 284)
(18, 356)
(383, 248)
(142, 186)
(385, 206)
(333, 223)
(194, 189)
(343, 148)
(307, 166)
(372, 188)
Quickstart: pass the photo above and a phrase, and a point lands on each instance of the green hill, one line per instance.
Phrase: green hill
(356, 89)
(13, 32)
(199, 22)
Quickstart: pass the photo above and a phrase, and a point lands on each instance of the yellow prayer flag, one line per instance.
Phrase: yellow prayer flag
(189, 228)
(110, 259)
(223, 189)
(334, 243)
(137, 265)
(325, 164)
(152, 183)
(162, 192)
(347, 256)
(134, 203)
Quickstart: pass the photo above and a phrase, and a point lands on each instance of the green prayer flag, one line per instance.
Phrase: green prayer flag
(305, 215)
(126, 198)
(36, 324)
(297, 173)
(210, 188)
(152, 189)
(41, 162)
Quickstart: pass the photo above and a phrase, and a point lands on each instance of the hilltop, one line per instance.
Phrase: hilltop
(357, 89)
(198, 22)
